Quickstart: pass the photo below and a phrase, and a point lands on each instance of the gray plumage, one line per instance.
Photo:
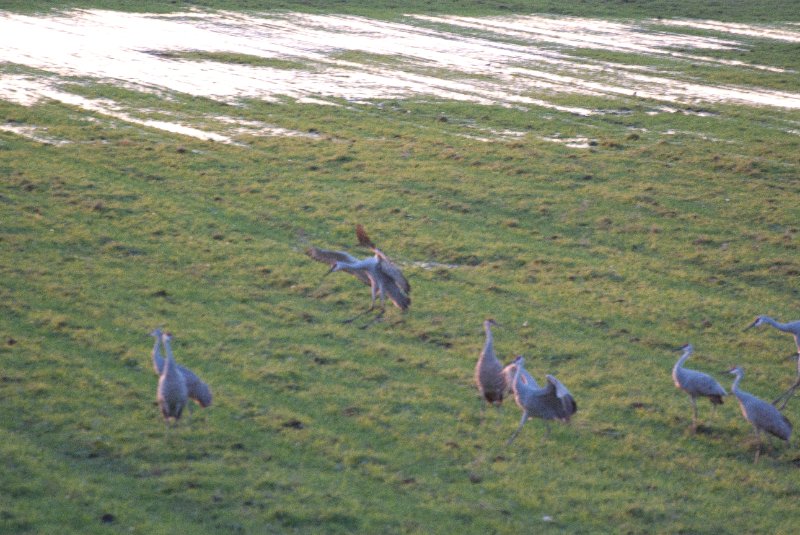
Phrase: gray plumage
(551, 402)
(171, 394)
(696, 383)
(197, 390)
(793, 328)
(489, 377)
(762, 415)
(379, 272)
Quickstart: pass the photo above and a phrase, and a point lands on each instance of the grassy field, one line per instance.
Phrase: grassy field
(723, 10)
(599, 262)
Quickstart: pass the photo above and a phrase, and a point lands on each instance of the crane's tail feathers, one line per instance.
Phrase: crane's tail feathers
(400, 299)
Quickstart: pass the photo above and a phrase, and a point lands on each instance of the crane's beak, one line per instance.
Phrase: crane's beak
(750, 326)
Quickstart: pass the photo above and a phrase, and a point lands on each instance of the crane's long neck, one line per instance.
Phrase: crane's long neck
(777, 324)
(517, 373)
(790, 328)
(156, 348)
(735, 385)
(158, 360)
(488, 346)
(360, 264)
(679, 365)
(686, 354)
(169, 365)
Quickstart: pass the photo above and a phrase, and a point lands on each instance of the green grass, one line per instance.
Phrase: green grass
(598, 262)
(721, 10)
(707, 72)
(233, 58)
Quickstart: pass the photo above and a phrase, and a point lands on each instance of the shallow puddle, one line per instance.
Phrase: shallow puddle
(510, 61)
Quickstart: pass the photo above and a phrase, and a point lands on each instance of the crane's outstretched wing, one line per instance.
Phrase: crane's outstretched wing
(331, 257)
(561, 392)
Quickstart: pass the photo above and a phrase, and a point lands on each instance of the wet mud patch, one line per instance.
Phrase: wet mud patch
(518, 62)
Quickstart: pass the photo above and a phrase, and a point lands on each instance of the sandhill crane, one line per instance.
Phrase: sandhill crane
(551, 402)
(761, 415)
(171, 394)
(196, 389)
(696, 383)
(793, 328)
(382, 275)
(489, 376)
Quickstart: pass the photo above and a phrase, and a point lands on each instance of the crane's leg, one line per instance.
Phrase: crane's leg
(758, 447)
(497, 409)
(694, 414)
(367, 311)
(770, 443)
(786, 396)
(373, 289)
(521, 423)
(351, 320)
(402, 317)
(484, 404)
(378, 317)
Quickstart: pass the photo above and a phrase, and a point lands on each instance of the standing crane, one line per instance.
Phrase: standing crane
(551, 402)
(696, 383)
(793, 328)
(489, 377)
(383, 276)
(197, 390)
(762, 415)
(171, 394)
